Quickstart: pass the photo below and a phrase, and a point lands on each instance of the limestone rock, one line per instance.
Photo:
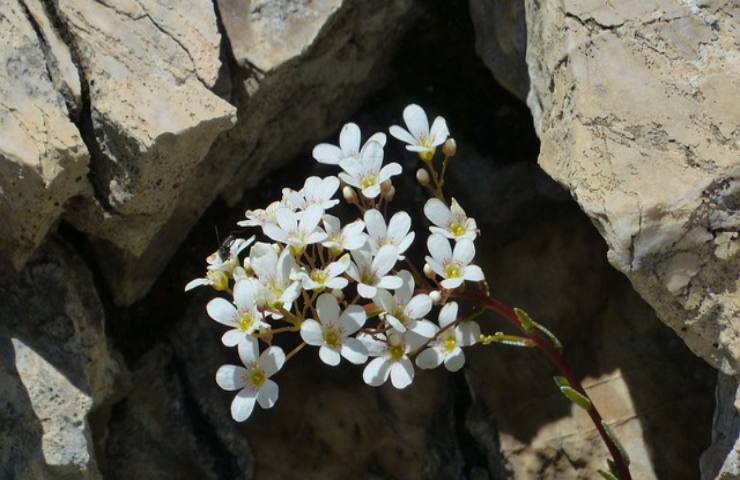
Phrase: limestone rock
(634, 104)
(149, 68)
(56, 371)
(721, 461)
(43, 160)
(501, 41)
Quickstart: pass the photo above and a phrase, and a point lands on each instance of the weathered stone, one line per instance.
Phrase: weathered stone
(56, 370)
(149, 67)
(721, 461)
(501, 41)
(42, 157)
(633, 104)
(306, 93)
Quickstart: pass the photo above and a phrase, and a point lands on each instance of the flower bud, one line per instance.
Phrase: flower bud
(436, 297)
(386, 186)
(390, 194)
(422, 176)
(349, 194)
(277, 248)
(338, 294)
(428, 272)
(450, 147)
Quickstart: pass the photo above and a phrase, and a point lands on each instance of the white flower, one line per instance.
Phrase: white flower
(392, 359)
(349, 146)
(404, 312)
(221, 265)
(276, 288)
(396, 233)
(418, 136)
(447, 346)
(452, 222)
(244, 318)
(253, 382)
(453, 266)
(338, 238)
(294, 232)
(327, 277)
(366, 172)
(315, 191)
(371, 273)
(332, 332)
(260, 217)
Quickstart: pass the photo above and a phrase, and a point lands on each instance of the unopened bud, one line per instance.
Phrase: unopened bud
(277, 248)
(390, 194)
(248, 267)
(386, 186)
(428, 271)
(436, 297)
(450, 147)
(422, 176)
(338, 294)
(349, 194)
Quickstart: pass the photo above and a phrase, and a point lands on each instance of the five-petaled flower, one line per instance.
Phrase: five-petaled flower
(405, 311)
(296, 232)
(366, 173)
(452, 222)
(244, 318)
(396, 233)
(392, 358)
(371, 273)
(349, 146)
(452, 265)
(448, 341)
(419, 137)
(332, 332)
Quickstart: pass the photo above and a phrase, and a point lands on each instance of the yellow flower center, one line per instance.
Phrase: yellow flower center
(397, 352)
(450, 343)
(368, 181)
(452, 270)
(257, 377)
(318, 276)
(332, 338)
(368, 278)
(335, 251)
(246, 322)
(297, 250)
(219, 280)
(400, 314)
(457, 229)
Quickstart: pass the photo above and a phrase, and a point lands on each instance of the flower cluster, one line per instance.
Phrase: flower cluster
(347, 288)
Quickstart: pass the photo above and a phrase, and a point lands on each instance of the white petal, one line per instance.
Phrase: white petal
(275, 233)
(352, 319)
(447, 314)
(399, 226)
(272, 360)
(268, 394)
(390, 170)
(328, 309)
(473, 273)
(311, 218)
(385, 300)
(337, 283)
(428, 359)
(437, 212)
(440, 248)
(439, 131)
(332, 224)
(390, 282)
(402, 134)
(263, 259)
(337, 268)
(376, 372)
(424, 328)
(350, 179)
(469, 333)
(377, 137)
(327, 154)
(329, 356)
(311, 332)
(451, 283)
(354, 351)
(243, 405)
(385, 260)
(287, 219)
(244, 295)
(198, 282)
(232, 337)
(455, 361)
(366, 291)
(395, 323)
(435, 266)
(371, 191)
(371, 156)
(349, 138)
(464, 251)
(402, 373)
(231, 377)
(249, 350)
(416, 121)
(419, 306)
(375, 224)
(222, 311)
(405, 243)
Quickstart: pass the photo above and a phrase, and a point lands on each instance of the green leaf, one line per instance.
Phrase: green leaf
(616, 442)
(511, 340)
(550, 336)
(575, 397)
(526, 320)
(561, 382)
(607, 475)
(529, 325)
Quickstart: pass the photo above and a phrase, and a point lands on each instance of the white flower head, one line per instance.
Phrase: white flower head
(366, 173)
(371, 273)
(452, 265)
(296, 233)
(275, 288)
(419, 137)
(396, 233)
(320, 191)
(327, 277)
(447, 346)
(452, 222)
(405, 311)
(392, 358)
(242, 316)
(349, 146)
(332, 332)
(252, 380)
(338, 238)
(260, 217)
(221, 265)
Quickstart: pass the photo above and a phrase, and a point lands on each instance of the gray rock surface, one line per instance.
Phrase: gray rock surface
(721, 461)
(43, 161)
(57, 373)
(635, 104)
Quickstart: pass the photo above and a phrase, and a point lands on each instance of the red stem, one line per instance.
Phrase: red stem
(557, 360)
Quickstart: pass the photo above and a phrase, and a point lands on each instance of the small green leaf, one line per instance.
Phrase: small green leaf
(617, 443)
(575, 397)
(526, 320)
(511, 340)
(561, 382)
(607, 475)
(550, 336)
(529, 325)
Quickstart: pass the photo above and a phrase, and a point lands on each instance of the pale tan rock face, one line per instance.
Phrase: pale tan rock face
(43, 160)
(636, 106)
(149, 67)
